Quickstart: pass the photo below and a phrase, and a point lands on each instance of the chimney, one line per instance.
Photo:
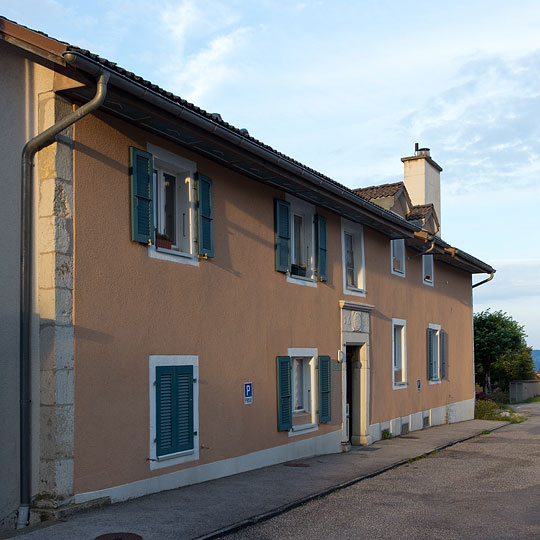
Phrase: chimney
(422, 177)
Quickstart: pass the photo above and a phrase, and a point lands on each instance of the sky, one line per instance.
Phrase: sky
(348, 88)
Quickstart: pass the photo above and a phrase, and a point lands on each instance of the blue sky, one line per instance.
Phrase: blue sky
(348, 88)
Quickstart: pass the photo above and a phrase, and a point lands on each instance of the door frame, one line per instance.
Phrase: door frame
(355, 332)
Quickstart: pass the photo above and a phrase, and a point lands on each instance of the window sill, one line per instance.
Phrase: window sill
(399, 386)
(174, 459)
(299, 280)
(398, 273)
(435, 381)
(303, 429)
(354, 291)
(172, 255)
(429, 283)
(175, 455)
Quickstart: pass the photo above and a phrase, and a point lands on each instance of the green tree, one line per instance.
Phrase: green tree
(500, 350)
(513, 366)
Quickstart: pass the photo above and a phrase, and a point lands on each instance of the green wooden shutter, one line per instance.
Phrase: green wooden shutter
(284, 394)
(444, 354)
(430, 359)
(206, 216)
(322, 255)
(174, 409)
(282, 219)
(141, 173)
(325, 389)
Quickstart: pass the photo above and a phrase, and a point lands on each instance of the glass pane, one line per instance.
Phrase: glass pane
(170, 206)
(397, 347)
(298, 229)
(349, 261)
(298, 384)
(435, 353)
(428, 267)
(397, 255)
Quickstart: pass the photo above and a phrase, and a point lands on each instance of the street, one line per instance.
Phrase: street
(484, 488)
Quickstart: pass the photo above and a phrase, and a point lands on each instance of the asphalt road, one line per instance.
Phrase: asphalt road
(484, 488)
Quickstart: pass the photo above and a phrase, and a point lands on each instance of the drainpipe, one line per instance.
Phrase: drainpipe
(485, 280)
(39, 142)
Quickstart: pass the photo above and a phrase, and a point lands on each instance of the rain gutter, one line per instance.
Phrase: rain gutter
(30, 149)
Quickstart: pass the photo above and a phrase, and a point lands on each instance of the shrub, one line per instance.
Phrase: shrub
(488, 409)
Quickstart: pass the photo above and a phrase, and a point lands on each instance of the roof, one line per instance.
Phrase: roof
(420, 211)
(208, 134)
(380, 191)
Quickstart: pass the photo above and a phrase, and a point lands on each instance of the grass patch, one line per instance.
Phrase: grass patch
(386, 434)
(534, 399)
(486, 409)
(417, 458)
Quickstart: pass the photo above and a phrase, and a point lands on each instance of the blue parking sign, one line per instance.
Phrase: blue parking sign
(248, 393)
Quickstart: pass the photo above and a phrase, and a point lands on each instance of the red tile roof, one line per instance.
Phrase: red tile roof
(377, 192)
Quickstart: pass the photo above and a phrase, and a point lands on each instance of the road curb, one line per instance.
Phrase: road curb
(259, 518)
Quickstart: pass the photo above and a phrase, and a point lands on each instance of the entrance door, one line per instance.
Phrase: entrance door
(353, 393)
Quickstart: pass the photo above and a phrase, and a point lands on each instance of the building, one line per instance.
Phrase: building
(197, 304)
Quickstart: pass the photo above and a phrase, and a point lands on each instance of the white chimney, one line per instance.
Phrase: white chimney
(422, 177)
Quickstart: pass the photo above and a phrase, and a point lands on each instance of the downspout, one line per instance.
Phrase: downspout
(35, 144)
(485, 280)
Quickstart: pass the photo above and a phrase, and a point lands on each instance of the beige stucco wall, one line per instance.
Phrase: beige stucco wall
(235, 312)
(448, 303)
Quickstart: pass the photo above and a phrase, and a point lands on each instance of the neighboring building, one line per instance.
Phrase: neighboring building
(203, 305)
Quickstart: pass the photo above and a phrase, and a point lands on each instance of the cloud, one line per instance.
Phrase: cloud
(203, 38)
(484, 126)
(210, 67)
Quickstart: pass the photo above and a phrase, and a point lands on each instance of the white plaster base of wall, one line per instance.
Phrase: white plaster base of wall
(453, 412)
(329, 443)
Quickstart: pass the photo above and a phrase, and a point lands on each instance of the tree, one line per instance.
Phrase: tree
(512, 367)
(499, 349)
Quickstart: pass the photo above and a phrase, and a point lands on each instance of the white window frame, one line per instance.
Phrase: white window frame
(392, 244)
(437, 327)
(307, 212)
(401, 323)
(425, 281)
(357, 232)
(155, 461)
(183, 169)
(311, 356)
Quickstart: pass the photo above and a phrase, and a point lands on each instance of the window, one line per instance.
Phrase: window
(172, 209)
(399, 354)
(437, 353)
(298, 398)
(300, 236)
(173, 410)
(352, 258)
(301, 383)
(397, 249)
(300, 247)
(427, 269)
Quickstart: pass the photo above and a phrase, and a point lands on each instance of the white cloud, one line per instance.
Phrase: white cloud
(210, 67)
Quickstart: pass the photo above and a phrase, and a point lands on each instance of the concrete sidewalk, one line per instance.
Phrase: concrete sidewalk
(211, 509)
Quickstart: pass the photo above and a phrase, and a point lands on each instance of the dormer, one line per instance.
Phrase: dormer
(392, 197)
